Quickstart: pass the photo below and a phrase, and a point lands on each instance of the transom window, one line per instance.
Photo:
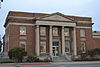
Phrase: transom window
(82, 45)
(82, 33)
(22, 30)
(42, 47)
(43, 31)
(55, 31)
(67, 46)
(66, 31)
(23, 44)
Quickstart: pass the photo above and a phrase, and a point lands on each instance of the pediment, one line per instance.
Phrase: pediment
(57, 17)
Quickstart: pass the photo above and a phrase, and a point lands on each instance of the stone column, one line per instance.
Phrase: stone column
(63, 41)
(37, 41)
(50, 40)
(74, 41)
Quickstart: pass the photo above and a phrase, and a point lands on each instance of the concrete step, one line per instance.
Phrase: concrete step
(59, 59)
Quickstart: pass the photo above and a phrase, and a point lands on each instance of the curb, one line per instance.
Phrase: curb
(84, 62)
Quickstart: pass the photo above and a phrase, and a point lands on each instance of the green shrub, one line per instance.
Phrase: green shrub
(93, 52)
(8, 61)
(87, 59)
(31, 58)
(97, 51)
(17, 54)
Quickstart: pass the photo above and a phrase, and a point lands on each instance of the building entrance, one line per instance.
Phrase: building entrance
(55, 49)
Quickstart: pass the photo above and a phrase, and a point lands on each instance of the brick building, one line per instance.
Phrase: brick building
(56, 33)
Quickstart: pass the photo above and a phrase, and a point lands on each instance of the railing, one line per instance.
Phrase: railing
(68, 56)
(46, 55)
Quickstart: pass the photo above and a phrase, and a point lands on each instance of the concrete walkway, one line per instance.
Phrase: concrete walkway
(83, 62)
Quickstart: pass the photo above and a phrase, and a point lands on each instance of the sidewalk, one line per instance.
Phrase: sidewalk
(25, 64)
(83, 62)
(48, 63)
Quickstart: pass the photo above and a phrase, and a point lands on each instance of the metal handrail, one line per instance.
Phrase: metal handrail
(47, 55)
(67, 56)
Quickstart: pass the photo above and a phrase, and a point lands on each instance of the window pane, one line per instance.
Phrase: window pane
(43, 31)
(55, 31)
(82, 33)
(67, 46)
(66, 31)
(43, 47)
(22, 30)
(82, 47)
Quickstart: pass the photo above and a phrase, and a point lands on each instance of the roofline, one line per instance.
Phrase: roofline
(69, 16)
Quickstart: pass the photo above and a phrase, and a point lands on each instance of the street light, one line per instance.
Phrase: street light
(0, 2)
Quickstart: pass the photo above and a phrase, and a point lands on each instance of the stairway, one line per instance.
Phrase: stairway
(64, 58)
(4, 56)
(60, 59)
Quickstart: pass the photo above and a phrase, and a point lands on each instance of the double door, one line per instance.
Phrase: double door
(55, 49)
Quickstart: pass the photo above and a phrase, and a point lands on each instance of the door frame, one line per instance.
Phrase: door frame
(55, 48)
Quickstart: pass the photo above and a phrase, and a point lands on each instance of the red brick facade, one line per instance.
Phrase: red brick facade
(29, 20)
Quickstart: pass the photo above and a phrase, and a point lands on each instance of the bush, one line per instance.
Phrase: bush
(93, 52)
(97, 51)
(17, 54)
(31, 58)
(87, 59)
(91, 55)
(8, 61)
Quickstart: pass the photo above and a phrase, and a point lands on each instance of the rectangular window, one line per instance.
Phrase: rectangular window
(43, 31)
(55, 31)
(66, 31)
(82, 33)
(82, 45)
(23, 44)
(22, 30)
(42, 47)
(67, 46)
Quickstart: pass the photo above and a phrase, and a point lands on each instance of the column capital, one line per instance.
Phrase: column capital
(37, 26)
(63, 27)
(50, 26)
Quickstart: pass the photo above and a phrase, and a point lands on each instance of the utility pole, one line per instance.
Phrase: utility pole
(0, 3)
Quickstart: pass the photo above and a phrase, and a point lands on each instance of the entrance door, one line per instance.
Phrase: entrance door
(55, 49)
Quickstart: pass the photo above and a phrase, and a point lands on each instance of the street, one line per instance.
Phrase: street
(53, 64)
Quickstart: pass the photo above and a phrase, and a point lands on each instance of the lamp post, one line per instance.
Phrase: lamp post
(0, 2)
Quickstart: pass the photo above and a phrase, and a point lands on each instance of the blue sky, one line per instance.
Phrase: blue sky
(88, 8)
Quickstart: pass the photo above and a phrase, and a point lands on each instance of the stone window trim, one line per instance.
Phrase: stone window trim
(82, 33)
(22, 30)
(67, 45)
(66, 32)
(43, 46)
(83, 47)
(55, 31)
(22, 44)
(42, 31)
